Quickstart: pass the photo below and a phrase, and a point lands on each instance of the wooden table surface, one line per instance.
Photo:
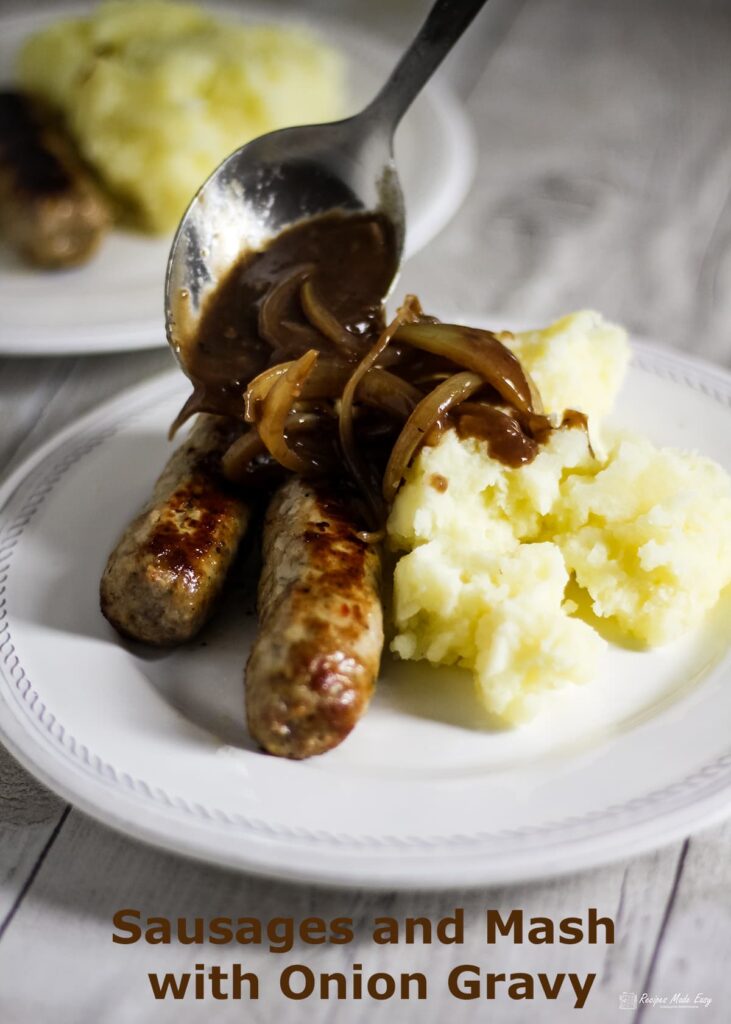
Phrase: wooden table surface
(604, 133)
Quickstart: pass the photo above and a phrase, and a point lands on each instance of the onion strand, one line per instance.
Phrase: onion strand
(477, 350)
(331, 394)
(357, 465)
(430, 410)
(275, 410)
(327, 324)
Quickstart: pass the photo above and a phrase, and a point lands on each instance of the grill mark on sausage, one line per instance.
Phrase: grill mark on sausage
(193, 517)
(313, 666)
(168, 568)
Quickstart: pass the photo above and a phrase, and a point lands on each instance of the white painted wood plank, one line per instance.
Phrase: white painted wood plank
(69, 389)
(28, 816)
(693, 956)
(25, 389)
(90, 873)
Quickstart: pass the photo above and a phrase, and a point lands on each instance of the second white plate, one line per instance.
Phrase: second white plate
(155, 744)
(115, 302)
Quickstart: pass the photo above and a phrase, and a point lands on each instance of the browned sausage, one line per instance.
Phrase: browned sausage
(50, 208)
(315, 660)
(163, 577)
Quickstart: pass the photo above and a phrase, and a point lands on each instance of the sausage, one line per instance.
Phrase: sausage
(161, 581)
(50, 208)
(313, 666)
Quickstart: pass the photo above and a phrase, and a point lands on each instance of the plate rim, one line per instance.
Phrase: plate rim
(142, 334)
(703, 808)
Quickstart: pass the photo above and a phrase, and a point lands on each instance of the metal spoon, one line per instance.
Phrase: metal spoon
(296, 173)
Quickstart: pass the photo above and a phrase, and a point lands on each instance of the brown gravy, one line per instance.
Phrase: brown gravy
(502, 434)
(439, 482)
(350, 260)
(506, 438)
(343, 264)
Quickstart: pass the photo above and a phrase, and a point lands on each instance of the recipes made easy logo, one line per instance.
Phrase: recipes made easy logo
(676, 1001)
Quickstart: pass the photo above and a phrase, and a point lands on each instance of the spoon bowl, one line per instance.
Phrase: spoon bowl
(266, 186)
(294, 174)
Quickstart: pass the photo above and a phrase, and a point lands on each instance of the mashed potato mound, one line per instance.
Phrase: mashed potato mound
(486, 504)
(474, 590)
(503, 616)
(649, 538)
(579, 362)
(157, 93)
(645, 531)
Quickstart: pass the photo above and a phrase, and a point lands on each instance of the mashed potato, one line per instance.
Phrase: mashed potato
(649, 538)
(500, 504)
(501, 615)
(646, 533)
(579, 362)
(478, 587)
(156, 94)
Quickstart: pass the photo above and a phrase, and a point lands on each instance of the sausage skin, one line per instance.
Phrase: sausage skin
(163, 577)
(50, 208)
(313, 666)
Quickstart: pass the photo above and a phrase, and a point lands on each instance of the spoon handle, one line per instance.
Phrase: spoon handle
(445, 23)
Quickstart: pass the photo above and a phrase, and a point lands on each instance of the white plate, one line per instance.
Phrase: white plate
(115, 302)
(154, 744)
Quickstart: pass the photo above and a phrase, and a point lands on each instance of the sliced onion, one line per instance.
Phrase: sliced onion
(238, 458)
(275, 410)
(384, 390)
(430, 379)
(319, 373)
(321, 318)
(428, 412)
(505, 337)
(260, 387)
(379, 388)
(477, 350)
(236, 461)
(404, 314)
(274, 323)
(536, 399)
(356, 463)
